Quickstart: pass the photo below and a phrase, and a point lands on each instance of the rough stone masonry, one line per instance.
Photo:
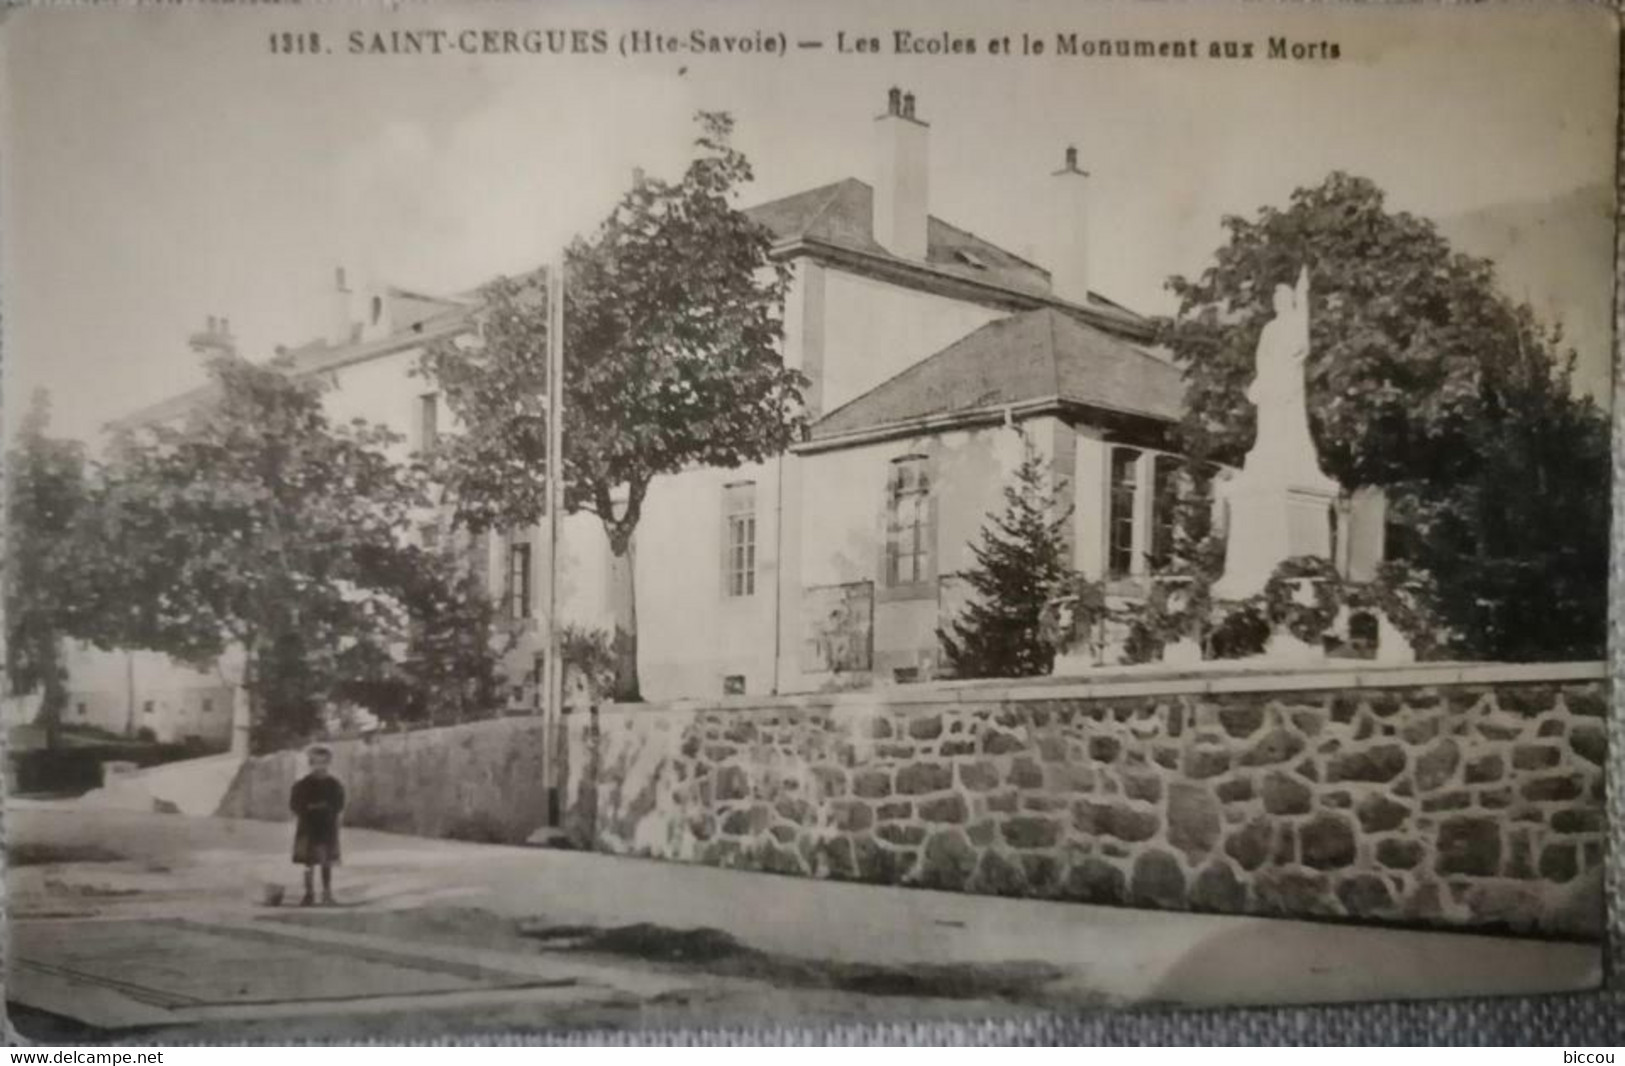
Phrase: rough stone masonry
(1466, 796)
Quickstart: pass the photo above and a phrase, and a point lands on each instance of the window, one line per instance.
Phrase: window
(147, 707)
(519, 580)
(733, 685)
(428, 420)
(1334, 531)
(1364, 633)
(208, 704)
(82, 709)
(906, 675)
(908, 527)
(1120, 516)
(739, 512)
(1167, 490)
(429, 536)
(1400, 542)
(479, 562)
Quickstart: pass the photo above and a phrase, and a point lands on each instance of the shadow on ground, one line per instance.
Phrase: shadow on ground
(703, 950)
(45, 854)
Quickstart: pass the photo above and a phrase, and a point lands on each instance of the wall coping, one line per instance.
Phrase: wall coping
(1154, 680)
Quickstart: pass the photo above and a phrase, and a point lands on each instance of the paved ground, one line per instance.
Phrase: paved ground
(140, 923)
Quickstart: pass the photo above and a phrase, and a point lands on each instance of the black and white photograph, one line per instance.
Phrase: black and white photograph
(532, 519)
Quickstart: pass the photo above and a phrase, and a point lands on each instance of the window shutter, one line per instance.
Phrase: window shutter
(479, 562)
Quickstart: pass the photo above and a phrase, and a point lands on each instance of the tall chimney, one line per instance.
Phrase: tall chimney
(1069, 256)
(902, 178)
(214, 338)
(344, 325)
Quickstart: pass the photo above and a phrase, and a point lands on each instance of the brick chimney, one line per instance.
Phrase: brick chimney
(902, 177)
(1069, 255)
(214, 338)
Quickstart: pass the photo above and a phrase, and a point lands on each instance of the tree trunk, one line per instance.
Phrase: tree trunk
(53, 699)
(624, 610)
(243, 716)
(242, 720)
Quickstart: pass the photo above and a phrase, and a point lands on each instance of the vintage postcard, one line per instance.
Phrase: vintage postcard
(526, 518)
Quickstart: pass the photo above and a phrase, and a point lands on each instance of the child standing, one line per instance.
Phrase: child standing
(316, 801)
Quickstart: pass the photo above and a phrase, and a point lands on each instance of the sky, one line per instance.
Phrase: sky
(160, 165)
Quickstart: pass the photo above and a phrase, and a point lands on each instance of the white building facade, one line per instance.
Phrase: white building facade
(927, 349)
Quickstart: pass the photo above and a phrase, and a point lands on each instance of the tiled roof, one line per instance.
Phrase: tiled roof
(320, 356)
(840, 215)
(1039, 355)
(843, 214)
(414, 319)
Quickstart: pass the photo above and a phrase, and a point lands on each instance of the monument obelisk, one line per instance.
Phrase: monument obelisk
(1280, 503)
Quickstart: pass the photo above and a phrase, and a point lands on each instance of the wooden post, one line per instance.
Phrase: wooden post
(129, 693)
(552, 668)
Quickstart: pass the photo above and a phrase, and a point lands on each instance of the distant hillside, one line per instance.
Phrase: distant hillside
(1558, 255)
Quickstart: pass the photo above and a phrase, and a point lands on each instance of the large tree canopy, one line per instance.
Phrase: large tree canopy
(1425, 380)
(45, 497)
(260, 528)
(673, 320)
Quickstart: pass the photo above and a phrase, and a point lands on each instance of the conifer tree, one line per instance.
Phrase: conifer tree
(1021, 558)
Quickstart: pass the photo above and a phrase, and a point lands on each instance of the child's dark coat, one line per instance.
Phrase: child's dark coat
(316, 802)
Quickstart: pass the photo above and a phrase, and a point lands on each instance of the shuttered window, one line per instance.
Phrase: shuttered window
(428, 420)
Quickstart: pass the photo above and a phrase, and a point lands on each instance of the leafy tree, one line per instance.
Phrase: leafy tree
(1021, 559)
(588, 655)
(256, 528)
(45, 497)
(672, 330)
(448, 668)
(1425, 380)
(454, 650)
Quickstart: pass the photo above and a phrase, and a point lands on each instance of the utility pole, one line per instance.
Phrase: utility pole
(552, 668)
(129, 693)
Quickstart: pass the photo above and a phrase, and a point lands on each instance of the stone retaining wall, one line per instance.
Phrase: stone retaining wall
(1456, 796)
(482, 781)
